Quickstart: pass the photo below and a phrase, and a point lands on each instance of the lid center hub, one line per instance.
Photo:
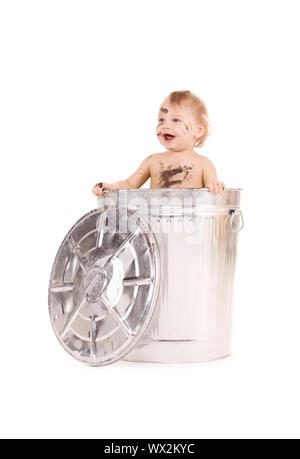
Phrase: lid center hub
(95, 283)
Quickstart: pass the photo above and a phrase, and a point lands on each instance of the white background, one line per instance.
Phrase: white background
(81, 84)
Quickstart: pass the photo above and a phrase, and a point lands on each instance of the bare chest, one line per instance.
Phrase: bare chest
(176, 173)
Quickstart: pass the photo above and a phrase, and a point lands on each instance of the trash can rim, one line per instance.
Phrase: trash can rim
(167, 189)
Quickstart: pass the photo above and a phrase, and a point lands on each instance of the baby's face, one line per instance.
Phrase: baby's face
(177, 129)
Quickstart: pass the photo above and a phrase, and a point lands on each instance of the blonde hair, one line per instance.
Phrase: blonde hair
(199, 109)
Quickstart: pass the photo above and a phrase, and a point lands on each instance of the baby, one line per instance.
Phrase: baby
(182, 126)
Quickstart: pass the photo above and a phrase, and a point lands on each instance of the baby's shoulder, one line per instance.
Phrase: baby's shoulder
(155, 157)
(152, 157)
(202, 159)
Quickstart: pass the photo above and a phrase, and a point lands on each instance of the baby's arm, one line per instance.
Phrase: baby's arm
(210, 178)
(136, 180)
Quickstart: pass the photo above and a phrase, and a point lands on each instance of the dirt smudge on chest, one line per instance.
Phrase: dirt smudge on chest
(166, 175)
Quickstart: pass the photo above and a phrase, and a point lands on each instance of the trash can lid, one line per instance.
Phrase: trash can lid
(104, 284)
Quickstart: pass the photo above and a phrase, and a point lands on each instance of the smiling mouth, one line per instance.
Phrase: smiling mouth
(168, 137)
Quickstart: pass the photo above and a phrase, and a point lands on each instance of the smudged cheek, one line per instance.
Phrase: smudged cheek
(181, 131)
(158, 129)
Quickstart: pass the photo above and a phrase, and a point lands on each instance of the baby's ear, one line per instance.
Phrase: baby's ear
(200, 129)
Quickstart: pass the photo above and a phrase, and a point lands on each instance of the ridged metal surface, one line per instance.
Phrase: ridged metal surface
(197, 236)
(103, 286)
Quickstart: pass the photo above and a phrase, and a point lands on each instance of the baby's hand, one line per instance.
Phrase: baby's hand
(216, 187)
(99, 188)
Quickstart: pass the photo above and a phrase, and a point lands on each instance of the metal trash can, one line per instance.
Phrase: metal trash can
(148, 276)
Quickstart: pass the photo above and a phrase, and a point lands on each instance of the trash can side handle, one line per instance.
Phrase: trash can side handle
(233, 227)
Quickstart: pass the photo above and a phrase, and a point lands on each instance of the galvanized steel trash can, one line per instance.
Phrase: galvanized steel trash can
(148, 276)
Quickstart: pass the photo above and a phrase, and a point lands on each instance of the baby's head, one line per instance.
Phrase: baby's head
(182, 121)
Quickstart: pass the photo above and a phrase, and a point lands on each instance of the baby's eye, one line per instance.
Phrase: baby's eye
(176, 120)
(161, 120)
